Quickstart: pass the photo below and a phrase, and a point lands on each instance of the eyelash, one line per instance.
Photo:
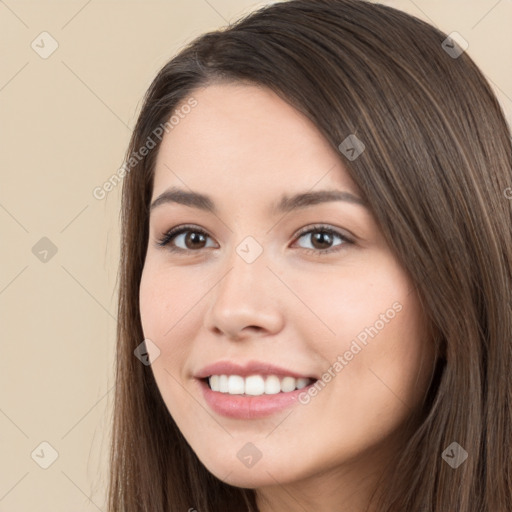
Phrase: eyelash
(174, 232)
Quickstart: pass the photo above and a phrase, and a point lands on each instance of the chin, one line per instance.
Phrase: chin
(247, 478)
(264, 472)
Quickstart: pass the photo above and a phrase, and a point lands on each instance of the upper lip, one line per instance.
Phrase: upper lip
(246, 369)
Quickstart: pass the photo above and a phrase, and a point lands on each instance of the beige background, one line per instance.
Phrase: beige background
(65, 124)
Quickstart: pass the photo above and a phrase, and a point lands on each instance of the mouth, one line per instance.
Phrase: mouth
(256, 385)
(253, 397)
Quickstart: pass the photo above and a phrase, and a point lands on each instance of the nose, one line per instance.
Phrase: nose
(246, 301)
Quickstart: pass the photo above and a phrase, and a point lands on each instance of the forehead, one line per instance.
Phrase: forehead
(245, 139)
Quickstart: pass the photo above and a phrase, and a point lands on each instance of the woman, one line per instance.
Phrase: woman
(368, 370)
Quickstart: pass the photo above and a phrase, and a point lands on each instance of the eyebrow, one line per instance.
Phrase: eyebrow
(286, 203)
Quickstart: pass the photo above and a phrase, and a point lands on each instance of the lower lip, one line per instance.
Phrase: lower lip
(249, 407)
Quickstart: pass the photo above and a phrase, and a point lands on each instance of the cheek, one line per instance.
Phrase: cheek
(169, 303)
(152, 304)
(373, 336)
(162, 304)
(356, 302)
(163, 300)
(160, 313)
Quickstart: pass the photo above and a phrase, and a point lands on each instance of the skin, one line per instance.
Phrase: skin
(246, 147)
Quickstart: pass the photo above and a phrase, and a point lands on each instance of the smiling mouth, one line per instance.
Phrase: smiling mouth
(256, 385)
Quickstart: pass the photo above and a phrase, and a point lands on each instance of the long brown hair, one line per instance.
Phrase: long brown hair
(435, 170)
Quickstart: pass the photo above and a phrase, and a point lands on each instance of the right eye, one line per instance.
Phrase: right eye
(192, 236)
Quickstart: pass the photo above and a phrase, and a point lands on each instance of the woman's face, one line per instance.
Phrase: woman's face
(260, 283)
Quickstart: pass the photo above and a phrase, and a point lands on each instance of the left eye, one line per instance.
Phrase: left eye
(190, 236)
(323, 235)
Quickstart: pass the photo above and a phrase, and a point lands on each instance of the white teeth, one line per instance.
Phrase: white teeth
(272, 385)
(256, 385)
(223, 383)
(214, 382)
(288, 384)
(236, 385)
(302, 383)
